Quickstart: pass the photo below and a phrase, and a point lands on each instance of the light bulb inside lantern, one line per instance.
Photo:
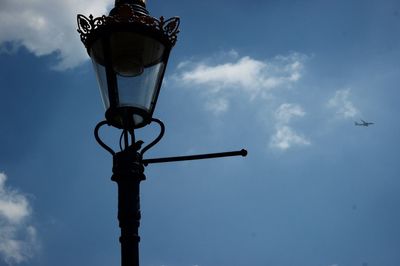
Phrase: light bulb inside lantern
(128, 65)
(130, 53)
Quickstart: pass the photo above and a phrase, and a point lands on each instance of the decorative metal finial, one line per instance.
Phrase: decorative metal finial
(131, 2)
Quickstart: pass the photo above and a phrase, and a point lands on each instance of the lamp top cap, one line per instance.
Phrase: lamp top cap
(137, 2)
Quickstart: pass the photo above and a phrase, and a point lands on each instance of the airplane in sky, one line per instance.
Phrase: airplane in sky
(363, 123)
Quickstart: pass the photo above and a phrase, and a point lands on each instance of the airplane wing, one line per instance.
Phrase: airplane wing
(363, 121)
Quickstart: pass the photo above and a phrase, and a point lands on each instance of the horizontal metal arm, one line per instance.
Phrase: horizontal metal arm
(242, 152)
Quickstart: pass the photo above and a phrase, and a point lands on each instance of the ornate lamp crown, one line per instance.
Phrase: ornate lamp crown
(128, 15)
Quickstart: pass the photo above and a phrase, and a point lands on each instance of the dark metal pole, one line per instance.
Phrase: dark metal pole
(128, 172)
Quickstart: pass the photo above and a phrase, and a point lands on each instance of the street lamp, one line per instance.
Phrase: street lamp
(129, 51)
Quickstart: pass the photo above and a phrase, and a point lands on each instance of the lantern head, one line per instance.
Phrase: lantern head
(129, 51)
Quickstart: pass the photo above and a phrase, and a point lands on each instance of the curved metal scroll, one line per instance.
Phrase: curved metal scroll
(154, 142)
(101, 143)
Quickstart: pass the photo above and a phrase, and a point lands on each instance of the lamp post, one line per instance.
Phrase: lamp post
(129, 51)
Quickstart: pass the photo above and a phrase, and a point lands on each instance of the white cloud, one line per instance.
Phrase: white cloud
(341, 103)
(287, 111)
(18, 239)
(285, 136)
(47, 26)
(246, 74)
(218, 106)
(250, 77)
(229, 76)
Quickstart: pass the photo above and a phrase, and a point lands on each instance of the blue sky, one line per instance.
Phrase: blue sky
(284, 79)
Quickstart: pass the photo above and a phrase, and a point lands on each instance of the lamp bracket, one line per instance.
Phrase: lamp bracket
(242, 152)
(136, 146)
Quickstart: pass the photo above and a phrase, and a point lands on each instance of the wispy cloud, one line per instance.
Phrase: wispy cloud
(287, 111)
(217, 106)
(342, 104)
(18, 239)
(285, 136)
(46, 26)
(250, 77)
(230, 77)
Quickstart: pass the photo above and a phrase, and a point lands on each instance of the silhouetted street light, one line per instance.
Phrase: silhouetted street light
(129, 50)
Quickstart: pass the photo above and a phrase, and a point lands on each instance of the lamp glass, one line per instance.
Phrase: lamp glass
(131, 66)
(102, 81)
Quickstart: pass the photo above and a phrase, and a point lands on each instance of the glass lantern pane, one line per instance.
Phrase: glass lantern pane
(129, 67)
(137, 119)
(102, 80)
(140, 91)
